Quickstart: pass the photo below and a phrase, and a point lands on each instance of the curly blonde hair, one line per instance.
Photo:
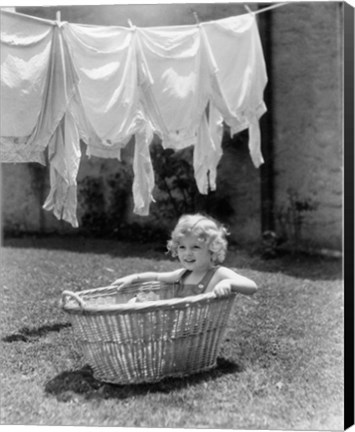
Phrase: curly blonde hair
(206, 230)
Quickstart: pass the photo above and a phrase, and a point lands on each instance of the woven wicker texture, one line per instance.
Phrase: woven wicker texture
(128, 343)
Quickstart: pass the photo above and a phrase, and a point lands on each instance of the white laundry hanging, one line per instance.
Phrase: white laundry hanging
(37, 84)
(105, 60)
(105, 85)
(242, 74)
(64, 157)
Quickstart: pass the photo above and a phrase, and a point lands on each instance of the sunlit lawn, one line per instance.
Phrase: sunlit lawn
(280, 365)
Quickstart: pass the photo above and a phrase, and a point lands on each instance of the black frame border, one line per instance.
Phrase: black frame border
(348, 233)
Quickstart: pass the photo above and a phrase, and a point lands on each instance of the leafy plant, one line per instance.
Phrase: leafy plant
(174, 178)
(94, 219)
(292, 218)
(176, 190)
(104, 201)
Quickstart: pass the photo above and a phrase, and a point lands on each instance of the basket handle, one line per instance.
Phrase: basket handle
(74, 296)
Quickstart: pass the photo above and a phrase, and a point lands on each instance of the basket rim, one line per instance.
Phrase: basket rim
(146, 306)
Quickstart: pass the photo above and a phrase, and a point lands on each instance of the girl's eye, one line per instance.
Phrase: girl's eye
(197, 247)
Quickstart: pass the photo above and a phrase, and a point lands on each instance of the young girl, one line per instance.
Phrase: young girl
(200, 244)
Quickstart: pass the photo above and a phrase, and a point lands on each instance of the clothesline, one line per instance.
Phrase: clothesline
(269, 8)
(58, 14)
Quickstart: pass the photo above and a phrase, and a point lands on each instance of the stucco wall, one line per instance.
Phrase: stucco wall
(307, 110)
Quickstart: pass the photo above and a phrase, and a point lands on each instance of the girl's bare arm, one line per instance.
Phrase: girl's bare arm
(230, 280)
(168, 277)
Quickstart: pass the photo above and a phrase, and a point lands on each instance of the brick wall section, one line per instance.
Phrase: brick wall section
(307, 109)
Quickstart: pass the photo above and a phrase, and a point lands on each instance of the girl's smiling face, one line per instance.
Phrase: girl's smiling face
(193, 254)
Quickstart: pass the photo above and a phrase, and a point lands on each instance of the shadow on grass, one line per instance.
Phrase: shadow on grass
(298, 265)
(84, 244)
(25, 334)
(68, 384)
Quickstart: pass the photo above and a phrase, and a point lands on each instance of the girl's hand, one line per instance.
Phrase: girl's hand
(223, 288)
(124, 281)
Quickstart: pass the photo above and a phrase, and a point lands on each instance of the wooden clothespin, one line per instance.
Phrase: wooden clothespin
(196, 17)
(130, 23)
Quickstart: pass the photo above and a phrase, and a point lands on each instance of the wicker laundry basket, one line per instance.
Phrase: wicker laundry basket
(127, 343)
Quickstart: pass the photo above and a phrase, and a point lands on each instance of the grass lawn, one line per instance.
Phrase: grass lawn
(280, 365)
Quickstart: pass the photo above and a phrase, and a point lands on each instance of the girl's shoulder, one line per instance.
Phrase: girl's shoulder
(226, 272)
